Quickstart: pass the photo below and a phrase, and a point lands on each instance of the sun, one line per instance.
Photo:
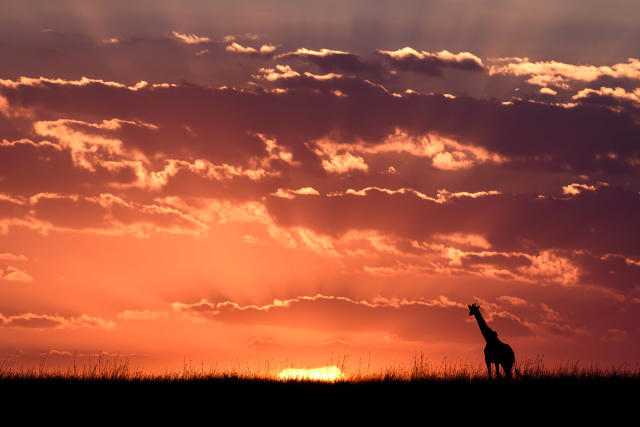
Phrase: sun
(325, 373)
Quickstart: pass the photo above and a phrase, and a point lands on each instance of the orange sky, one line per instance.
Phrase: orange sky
(239, 193)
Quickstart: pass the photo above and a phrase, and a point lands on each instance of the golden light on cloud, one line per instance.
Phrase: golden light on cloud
(326, 373)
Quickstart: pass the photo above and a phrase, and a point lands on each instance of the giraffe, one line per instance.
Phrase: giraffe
(495, 351)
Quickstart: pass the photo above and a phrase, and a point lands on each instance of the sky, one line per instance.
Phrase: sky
(260, 184)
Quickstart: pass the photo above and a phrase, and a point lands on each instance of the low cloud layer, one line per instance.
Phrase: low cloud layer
(47, 321)
(409, 59)
(437, 319)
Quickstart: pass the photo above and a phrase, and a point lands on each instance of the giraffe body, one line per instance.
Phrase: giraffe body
(495, 352)
(499, 354)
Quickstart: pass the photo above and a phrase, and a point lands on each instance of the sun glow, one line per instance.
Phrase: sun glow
(326, 373)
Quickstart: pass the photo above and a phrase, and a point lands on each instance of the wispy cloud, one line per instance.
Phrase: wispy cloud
(409, 59)
(55, 321)
(190, 38)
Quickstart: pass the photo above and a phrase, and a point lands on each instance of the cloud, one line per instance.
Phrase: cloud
(387, 247)
(464, 240)
(12, 274)
(336, 61)
(613, 97)
(543, 268)
(341, 146)
(264, 50)
(11, 257)
(594, 220)
(560, 74)
(82, 82)
(551, 137)
(277, 73)
(354, 160)
(421, 320)
(290, 194)
(103, 214)
(27, 166)
(142, 315)
(190, 38)
(55, 321)
(86, 148)
(335, 160)
(512, 300)
(576, 188)
(409, 59)
(444, 153)
(97, 156)
(243, 36)
(610, 271)
(548, 91)
(442, 197)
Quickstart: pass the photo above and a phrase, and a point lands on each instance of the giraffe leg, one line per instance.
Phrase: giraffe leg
(497, 370)
(489, 369)
(507, 370)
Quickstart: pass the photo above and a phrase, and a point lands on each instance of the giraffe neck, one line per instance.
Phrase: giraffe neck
(484, 329)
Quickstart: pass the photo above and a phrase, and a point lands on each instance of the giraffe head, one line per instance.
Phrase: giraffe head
(474, 309)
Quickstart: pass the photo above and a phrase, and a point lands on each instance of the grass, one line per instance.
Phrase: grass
(420, 369)
(417, 388)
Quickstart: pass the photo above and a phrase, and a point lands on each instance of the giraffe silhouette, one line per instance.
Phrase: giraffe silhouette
(495, 351)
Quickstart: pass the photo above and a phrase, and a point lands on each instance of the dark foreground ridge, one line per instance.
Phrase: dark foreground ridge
(572, 398)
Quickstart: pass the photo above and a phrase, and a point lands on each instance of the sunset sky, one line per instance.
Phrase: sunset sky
(234, 182)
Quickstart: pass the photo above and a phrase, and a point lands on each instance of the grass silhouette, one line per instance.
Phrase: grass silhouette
(419, 388)
(420, 369)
